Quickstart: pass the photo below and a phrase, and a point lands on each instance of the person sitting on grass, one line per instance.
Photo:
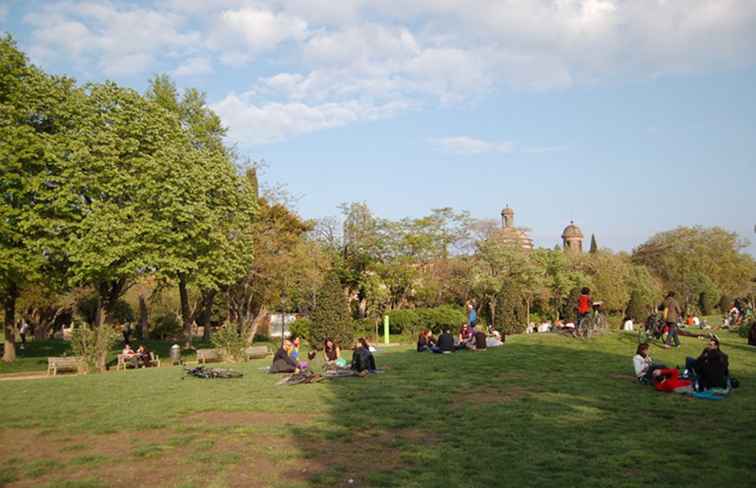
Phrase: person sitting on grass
(668, 380)
(445, 342)
(479, 341)
(295, 343)
(465, 334)
(711, 368)
(494, 339)
(643, 364)
(282, 361)
(331, 352)
(752, 335)
(363, 361)
(425, 341)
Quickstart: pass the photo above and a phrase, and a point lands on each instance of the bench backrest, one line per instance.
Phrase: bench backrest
(255, 350)
(64, 362)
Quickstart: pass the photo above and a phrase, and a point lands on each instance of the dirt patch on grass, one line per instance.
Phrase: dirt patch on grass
(245, 418)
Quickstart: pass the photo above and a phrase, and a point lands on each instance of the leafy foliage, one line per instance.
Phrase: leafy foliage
(231, 342)
(92, 345)
(331, 317)
(412, 321)
(166, 326)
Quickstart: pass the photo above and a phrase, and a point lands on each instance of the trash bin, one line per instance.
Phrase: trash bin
(175, 354)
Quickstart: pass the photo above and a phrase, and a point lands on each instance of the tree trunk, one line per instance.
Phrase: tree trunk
(492, 308)
(186, 314)
(9, 307)
(527, 313)
(255, 324)
(143, 318)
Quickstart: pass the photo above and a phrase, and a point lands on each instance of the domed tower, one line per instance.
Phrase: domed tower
(511, 235)
(572, 239)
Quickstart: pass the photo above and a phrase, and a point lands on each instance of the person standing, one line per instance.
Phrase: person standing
(472, 315)
(22, 331)
(672, 314)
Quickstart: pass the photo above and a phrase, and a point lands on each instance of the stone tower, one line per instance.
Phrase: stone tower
(572, 239)
(511, 235)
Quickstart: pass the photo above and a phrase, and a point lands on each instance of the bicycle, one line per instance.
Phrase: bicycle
(211, 373)
(595, 323)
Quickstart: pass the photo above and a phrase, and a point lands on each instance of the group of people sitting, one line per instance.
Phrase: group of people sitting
(710, 371)
(287, 358)
(468, 338)
(141, 358)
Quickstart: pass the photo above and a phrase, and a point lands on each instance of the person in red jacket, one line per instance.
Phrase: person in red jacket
(668, 380)
(584, 305)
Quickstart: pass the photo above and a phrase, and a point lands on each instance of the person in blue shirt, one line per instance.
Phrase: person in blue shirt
(472, 315)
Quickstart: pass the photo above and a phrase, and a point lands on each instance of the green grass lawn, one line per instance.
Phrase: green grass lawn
(542, 411)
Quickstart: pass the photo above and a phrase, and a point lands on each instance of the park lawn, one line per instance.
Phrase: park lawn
(544, 410)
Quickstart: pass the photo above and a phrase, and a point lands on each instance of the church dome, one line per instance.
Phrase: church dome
(572, 231)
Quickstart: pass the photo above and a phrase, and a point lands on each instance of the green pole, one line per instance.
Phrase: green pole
(385, 329)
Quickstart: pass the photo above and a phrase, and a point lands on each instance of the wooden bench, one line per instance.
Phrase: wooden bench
(256, 352)
(205, 355)
(62, 364)
(123, 361)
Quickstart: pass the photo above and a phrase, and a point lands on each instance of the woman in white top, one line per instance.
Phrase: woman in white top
(643, 364)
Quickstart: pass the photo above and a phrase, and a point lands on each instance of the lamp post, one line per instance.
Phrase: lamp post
(283, 316)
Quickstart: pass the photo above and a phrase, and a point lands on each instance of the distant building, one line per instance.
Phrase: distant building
(510, 234)
(572, 239)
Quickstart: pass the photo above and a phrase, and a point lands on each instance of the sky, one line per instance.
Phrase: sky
(629, 117)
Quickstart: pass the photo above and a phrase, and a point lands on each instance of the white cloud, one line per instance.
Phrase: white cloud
(465, 145)
(324, 63)
(249, 31)
(194, 67)
(120, 40)
(252, 123)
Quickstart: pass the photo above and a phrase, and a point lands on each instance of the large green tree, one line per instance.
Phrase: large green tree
(37, 114)
(677, 256)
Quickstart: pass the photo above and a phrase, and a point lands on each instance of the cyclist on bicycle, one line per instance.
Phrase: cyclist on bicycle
(584, 304)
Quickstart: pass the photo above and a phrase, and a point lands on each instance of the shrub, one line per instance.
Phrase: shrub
(364, 327)
(166, 326)
(92, 344)
(637, 309)
(412, 321)
(511, 314)
(331, 317)
(230, 342)
(301, 327)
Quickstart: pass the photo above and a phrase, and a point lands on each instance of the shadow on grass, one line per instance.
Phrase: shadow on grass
(556, 413)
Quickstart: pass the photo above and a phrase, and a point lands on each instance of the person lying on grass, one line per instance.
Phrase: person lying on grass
(425, 341)
(711, 368)
(643, 364)
(363, 361)
(282, 361)
(668, 380)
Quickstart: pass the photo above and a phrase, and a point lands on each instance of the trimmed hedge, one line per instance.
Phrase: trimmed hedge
(412, 321)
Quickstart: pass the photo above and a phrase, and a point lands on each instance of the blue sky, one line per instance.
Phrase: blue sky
(628, 117)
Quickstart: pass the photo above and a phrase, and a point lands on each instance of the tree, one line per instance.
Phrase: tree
(594, 245)
(674, 256)
(206, 216)
(276, 234)
(331, 316)
(36, 115)
(610, 274)
(560, 277)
